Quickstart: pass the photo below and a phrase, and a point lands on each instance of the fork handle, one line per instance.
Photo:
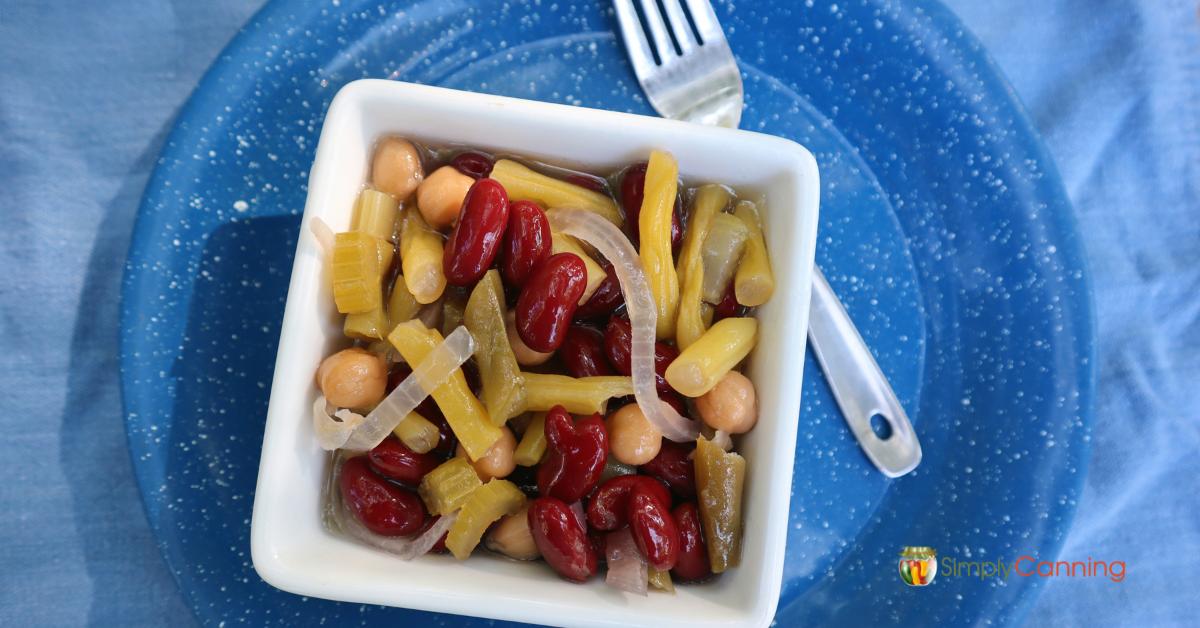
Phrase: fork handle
(858, 385)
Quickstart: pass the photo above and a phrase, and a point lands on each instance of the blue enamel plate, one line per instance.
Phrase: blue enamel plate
(944, 227)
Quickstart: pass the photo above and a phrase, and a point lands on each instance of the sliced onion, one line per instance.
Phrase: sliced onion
(333, 426)
(364, 433)
(407, 548)
(627, 568)
(615, 247)
(323, 234)
(722, 439)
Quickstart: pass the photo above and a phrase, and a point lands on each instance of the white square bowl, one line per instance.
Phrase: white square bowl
(292, 551)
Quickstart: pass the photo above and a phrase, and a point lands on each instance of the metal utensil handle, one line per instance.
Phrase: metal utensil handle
(858, 385)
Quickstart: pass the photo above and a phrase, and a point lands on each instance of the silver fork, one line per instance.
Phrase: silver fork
(691, 75)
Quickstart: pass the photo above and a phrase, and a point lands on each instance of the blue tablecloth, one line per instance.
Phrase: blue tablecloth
(89, 90)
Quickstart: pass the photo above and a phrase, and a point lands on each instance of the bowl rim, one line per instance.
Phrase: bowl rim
(350, 100)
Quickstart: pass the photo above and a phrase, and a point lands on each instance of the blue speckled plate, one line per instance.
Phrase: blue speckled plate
(944, 228)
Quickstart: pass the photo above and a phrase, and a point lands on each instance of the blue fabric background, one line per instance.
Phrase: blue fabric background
(88, 92)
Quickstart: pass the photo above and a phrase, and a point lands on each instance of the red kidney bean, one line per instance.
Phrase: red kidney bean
(633, 187)
(673, 466)
(675, 400)
(653, 527)
(561, 540)
(606, 298)
(608, 508)
(582, 352)
(473, 164)
(548, 301)
(382, 507)
(618, 336)
(477, 236)
(395, 461)
(692, 563)
(526, 242)
(729, 306)
(575, 455)
(588, 182)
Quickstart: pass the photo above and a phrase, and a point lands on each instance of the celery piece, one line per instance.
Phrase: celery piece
(359, 261)
(448, 486)
(486, 505)
(375, 214)
(503, 386)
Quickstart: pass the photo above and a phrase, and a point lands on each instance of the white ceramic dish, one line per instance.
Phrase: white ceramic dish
(292, 551)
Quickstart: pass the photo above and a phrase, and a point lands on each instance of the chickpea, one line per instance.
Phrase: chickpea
(440, 196)
(498, 461)
(525, 355)
(632, 438)
(731, 406)
(512, 537)
(353, 378)
(396, 168)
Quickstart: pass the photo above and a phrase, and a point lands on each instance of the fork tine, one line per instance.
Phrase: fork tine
(706, 21)
(658, 32)
(635, 38)
(679, 26)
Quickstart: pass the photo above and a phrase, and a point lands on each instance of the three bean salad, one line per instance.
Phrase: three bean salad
(544, 363)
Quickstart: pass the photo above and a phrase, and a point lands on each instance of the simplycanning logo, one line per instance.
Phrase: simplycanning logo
(919, 566)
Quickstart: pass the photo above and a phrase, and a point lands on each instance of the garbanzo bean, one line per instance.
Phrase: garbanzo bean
(440, 196)
(396, 168)
(512, 537)
(353, 378)
(731, 406)
(525, 355)
(632, 438)
(498, 461)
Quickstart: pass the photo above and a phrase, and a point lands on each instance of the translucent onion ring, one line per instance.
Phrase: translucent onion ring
(614, 246)
(364, 433)
(627, 570)
(407, 548)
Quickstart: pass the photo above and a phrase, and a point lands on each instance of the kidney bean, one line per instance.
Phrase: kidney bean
(633, 187)
(606, 298)
(729, 306)
(575, 455)
(561, 540)
(692, 563)
(582, 352)
(473, 164)
(382, 507)
(608, 508)
(653, 527)
(588, 182)
(548, 301)
(395, 461)
(477, 236)
(526, 242)
(618, 336)
(673, 466)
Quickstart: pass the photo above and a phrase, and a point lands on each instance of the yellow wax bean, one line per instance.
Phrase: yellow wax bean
(417, 433)
(583, 395)
(503, 387)
(421, 257)
(700, 366)
(533, 442)
(754, 282)
(467, 417)
(523, 184)
(690, 325)
(654, 225)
